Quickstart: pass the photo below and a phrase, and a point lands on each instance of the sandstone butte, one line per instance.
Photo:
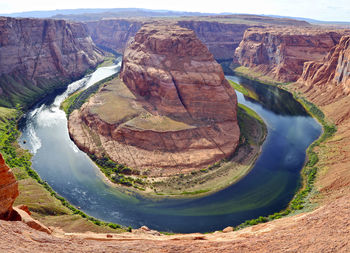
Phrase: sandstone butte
(280, 52)
(175, 113)
(37, 53)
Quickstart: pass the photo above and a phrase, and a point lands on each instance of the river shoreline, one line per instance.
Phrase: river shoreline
(155, 203)
(228, 173)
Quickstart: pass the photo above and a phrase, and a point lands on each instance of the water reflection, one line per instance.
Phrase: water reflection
(266, 189)
(271, 97)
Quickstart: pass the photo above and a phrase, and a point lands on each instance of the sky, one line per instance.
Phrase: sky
(328, 10)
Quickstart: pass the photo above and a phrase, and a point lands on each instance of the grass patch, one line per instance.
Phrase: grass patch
(117, 172)
(77, 100)
(256, 76)
(239, 87)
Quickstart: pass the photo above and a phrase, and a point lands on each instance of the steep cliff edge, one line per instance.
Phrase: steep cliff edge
(37, 55)
(173, 113)
(281, 52)
(220, 38)
(328, 80)
(113, 34)
(8, 190)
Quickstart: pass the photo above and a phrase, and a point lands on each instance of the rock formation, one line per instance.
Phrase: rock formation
(113, 34)
(8, 190)
(329, 79)
(179, 116)
(220, 38)
(281, 52)
(41, 53)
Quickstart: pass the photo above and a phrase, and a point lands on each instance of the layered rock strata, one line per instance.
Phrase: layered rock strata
(281, 52)
(37, 53)
(220, 38)
(8, 190)
(113, 34)
(327, 80)
(174, 112)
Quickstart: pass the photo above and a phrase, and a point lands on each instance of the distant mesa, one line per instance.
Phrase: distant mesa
(172, 111)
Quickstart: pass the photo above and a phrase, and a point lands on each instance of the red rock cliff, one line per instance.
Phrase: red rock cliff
(175, 113)
(220, 38)
(178, 75)
(8, 190)
(36, 52)
(281, 52)
(328, 79)
(113, 33)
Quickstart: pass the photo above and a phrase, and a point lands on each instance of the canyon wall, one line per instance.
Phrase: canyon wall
(8, 190)
(177, 112)
(113, 33)
(327, 80)
(221, 38)
(38, 54)
(280, 52)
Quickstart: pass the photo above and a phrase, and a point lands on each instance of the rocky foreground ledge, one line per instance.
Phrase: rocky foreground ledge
(172, 112)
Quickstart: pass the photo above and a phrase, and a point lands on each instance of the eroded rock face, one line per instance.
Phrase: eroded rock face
(182, 112)
(113, 33)
(281, 52)
(220, 38)
(175, 72)
(8, 190)
(35, 52)
(328, 79)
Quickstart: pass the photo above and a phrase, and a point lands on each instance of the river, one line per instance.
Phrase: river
(268, 188)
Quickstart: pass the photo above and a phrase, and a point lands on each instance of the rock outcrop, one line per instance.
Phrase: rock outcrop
(281, 52)
(40, 54)
(174, 113)
(113, 34)
(220, 38)
(327, 80)
(8, 190)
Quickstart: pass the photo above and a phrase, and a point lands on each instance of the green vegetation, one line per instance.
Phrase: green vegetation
(256, 76)
(108, 61)
(20, 160)
(243, 114)
(116, 172)
(239, 88)
(17, 90)
(77, 100)
(309, 172)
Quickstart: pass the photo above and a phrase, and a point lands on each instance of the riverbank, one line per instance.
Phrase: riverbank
(306, 197)
(196, 183)
(212, 179)
(47, 206)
